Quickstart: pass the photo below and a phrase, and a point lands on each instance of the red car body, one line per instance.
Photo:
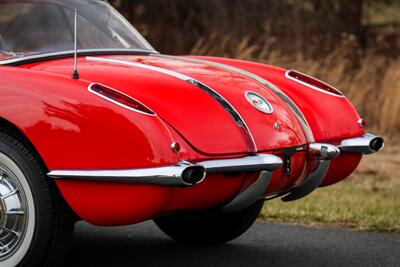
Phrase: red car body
(134, 135)
(73, 129)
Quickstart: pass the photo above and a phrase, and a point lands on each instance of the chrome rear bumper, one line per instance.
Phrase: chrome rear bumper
(257, 162)
(188, 174)
(182, 174)
(323, 153)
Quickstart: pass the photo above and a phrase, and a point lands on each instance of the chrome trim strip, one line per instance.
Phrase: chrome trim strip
(312, 86)
(297, 112)
(219, 98)
(140, 65)
(70, 53)
(169, 175)
(366, 144)
(258, 162)
(118, 103)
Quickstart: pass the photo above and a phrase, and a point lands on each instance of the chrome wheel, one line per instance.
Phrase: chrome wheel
(16, 212)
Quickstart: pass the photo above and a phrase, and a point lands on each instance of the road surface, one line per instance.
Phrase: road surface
(264, 244)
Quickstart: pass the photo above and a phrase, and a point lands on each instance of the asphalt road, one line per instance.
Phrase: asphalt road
(263, 245)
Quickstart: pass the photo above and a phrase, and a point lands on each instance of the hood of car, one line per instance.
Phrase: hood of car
(215, 110)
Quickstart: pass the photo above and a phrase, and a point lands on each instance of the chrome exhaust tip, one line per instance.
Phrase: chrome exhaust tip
(193, 174)
(366, 144)
(377, 144)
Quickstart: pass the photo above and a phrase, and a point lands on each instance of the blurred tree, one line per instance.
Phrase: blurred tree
(315, 27)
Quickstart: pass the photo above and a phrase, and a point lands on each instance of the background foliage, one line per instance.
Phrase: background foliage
(354, 45)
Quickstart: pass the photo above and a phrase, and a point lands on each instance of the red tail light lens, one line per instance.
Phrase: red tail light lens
(362, 123)
(312, 82)
(119, 98)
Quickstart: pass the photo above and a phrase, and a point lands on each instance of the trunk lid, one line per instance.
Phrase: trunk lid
(202, 120)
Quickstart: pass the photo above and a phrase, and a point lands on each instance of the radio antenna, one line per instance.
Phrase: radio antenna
(75, 74)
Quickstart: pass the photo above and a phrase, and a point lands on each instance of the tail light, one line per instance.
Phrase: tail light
(119, 98)
(362, 123)
(312, 82)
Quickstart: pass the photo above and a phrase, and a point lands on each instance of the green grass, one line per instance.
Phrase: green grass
(364, 202)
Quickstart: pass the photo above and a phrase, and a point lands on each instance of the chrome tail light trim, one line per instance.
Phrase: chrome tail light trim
(288, 76)
(105, 97)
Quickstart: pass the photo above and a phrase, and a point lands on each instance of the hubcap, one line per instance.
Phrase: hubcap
(13, 213)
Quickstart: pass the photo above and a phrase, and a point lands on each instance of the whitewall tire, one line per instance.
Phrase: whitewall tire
(36, 225)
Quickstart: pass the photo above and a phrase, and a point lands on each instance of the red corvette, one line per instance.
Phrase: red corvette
(115, 133)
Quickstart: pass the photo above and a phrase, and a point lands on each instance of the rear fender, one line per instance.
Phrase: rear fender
(330, 117)
(72, 128)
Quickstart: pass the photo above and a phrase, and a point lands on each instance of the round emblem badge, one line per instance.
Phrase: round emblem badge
(259, 102)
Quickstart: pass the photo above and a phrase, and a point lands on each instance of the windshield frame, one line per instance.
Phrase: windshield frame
(32, 58)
